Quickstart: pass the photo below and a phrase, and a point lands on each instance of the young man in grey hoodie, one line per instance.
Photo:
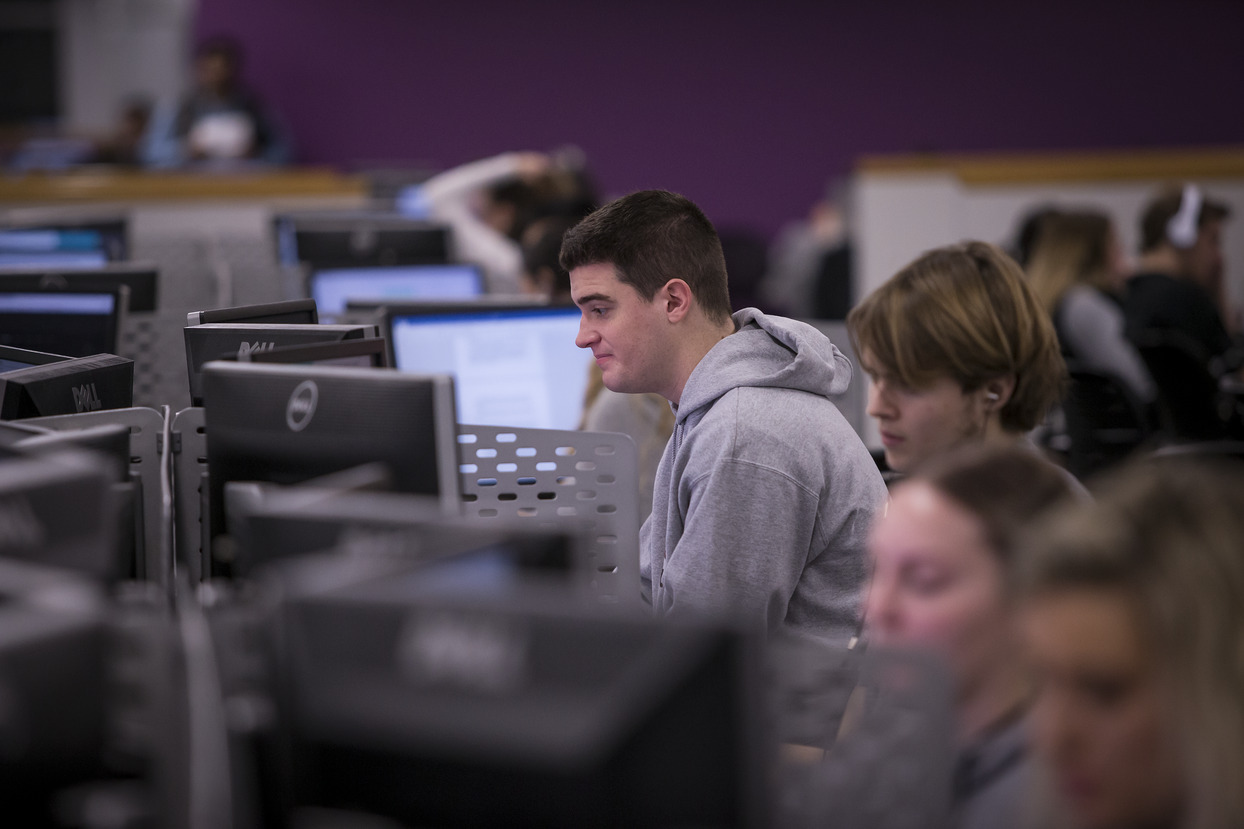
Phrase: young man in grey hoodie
(764, 495)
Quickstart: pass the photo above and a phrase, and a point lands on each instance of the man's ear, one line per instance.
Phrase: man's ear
(676, 299)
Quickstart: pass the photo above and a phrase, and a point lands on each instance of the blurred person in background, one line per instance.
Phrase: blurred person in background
(220, 120)
(491, 202)
(1179, 284)
(942, 556)
(959, 350)
(1078, 272)
(1134, 623)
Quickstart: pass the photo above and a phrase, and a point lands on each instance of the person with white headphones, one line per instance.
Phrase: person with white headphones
(1179, 281)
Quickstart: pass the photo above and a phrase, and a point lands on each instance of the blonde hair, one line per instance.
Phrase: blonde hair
(1170, 535)
(963, 311)
(1071, 248)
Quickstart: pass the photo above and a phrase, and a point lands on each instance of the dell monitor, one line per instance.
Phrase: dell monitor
(286, 312)
(290, 423)
(141, 280)
(516, 708)
(512, 365)
(69, 320)
(333, 288)
(222, 341)
(68, 386)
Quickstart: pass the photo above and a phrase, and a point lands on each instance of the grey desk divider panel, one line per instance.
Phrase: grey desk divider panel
(154, 341)
(189, 491)
(586, 480)
(148, 449)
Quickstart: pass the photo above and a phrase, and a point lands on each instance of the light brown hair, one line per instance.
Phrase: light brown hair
(965, 312)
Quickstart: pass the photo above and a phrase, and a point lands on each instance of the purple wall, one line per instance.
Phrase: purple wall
(747, 108)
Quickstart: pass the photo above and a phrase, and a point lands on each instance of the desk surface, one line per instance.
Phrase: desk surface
(104, 185)
(1027, 168)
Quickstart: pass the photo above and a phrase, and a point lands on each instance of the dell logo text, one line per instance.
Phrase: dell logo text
(86, 398)
(245, 348)
(301, 407)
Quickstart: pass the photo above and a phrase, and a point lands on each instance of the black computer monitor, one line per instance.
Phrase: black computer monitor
(362, 240)
(289, 423)
(57, 509)
(513, 365)
(64, 243)
(333, 288)
(216, 341)
(285, 312)
(69, 386)
(369, 353)
(140, 279)
(69, 320)
(12, 359)
(54, 671)
(521, 707)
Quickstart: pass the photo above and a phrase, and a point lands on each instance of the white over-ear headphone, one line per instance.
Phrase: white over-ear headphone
(1181, 230)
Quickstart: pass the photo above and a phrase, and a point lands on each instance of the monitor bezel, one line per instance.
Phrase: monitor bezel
(314, 273)
(119, 293)
(142, 297)
(254, 313)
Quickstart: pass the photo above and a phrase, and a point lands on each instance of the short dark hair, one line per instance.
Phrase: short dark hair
(1159, 212)
(649, 238)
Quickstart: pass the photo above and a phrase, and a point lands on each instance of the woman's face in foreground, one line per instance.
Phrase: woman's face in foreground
(1100, 720)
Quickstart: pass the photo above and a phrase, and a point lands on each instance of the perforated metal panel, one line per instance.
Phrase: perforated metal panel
(147, 463)
(155, 343)
(583, 480)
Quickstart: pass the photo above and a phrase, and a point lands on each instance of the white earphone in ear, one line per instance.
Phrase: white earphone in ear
(992, 396)
(1181, 230)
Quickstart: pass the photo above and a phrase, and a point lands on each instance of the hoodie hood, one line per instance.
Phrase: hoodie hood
(771, 352)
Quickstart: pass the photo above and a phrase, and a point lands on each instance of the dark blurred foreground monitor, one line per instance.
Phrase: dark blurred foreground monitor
(234, 341)
(358, 240)
(64, 244)
(54, 639)
(333, 288)
(64, 386)
(140, 280)
(61, 320)
(58, 509)
(286, 424)
(519, 708)
(513, 365)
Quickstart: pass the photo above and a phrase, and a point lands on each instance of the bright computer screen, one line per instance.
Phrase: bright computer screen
(67, 243)
(333, 288)
(515, 366)
(69, 322)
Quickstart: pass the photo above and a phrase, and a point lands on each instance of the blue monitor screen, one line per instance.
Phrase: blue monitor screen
(512, 366)
(60, 322)
(53, 248)
(332, 289)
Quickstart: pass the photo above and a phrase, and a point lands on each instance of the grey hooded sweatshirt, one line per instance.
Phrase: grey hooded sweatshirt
(765, 495)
